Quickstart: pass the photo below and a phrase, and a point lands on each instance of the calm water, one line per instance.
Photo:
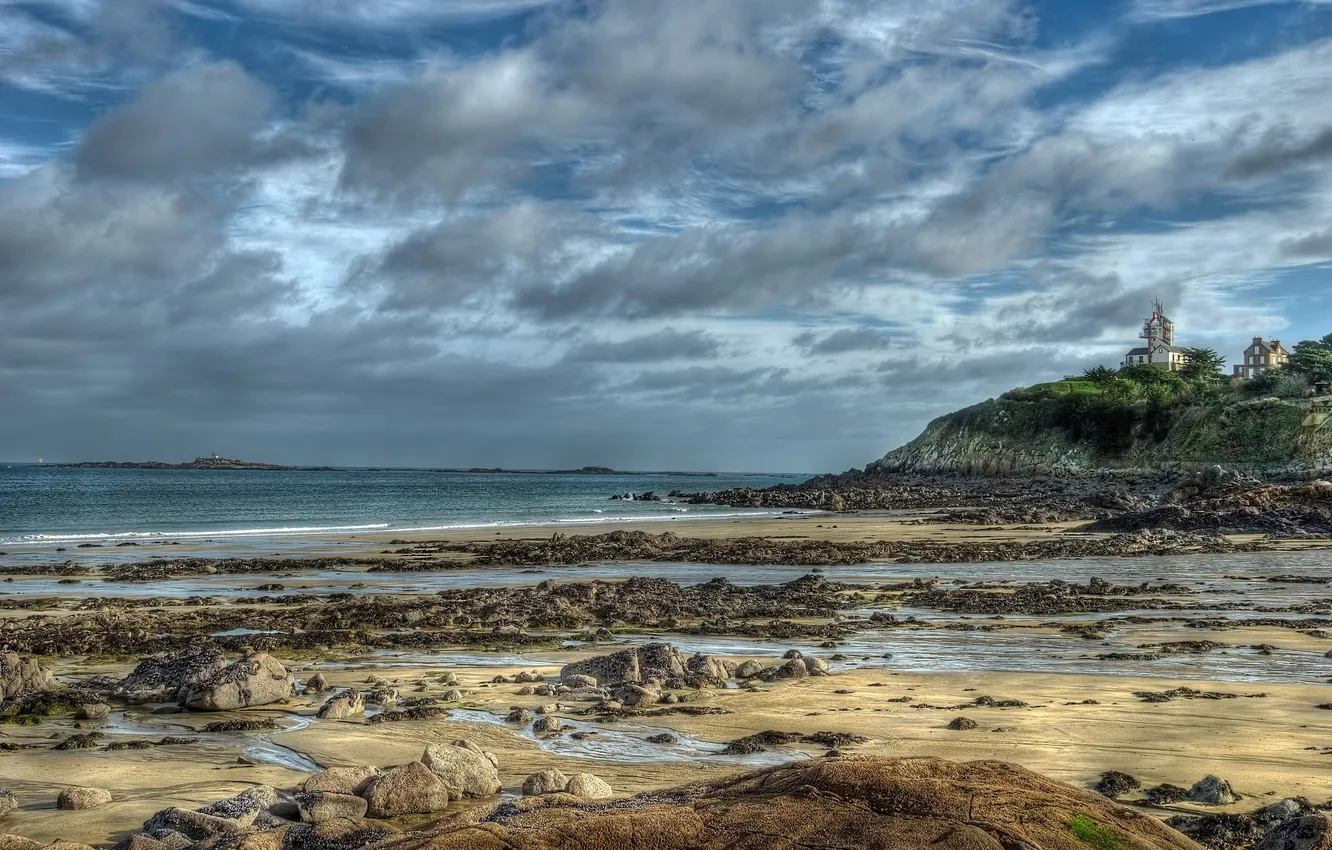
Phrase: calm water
(45, 504)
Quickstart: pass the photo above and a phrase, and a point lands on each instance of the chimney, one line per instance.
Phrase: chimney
(1257, 340)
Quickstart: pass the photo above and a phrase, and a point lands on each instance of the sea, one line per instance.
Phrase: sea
(44, 505)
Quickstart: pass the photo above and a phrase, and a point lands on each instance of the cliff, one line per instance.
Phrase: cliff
(1074, 434)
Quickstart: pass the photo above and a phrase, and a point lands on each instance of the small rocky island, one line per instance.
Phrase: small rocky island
(213, 462)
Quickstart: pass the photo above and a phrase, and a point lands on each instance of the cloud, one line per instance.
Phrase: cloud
(1312, 245)
(1278, 151)
(193, 122)
(843, 341)
(665, 345)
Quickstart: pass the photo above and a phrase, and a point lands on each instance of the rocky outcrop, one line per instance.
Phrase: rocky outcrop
(163, 678)
(833, 803)
(650, 661)
(257, 679)
(20, 675)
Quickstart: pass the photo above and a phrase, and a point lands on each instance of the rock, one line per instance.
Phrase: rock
(665, 738)
(548, 781)
(82, 798)
(637, 695)
(162, 678)
(652, 660)
(193, 825)
(1114, 783)
(317, 684)
(14, 842)
(320, 806)
(547, 709)
(962, 724)
(588, 787)
(707, 666)
(519, 715)
(347, 704)
(748, 669)
(577, 681)
(1165, 794)
(244, 808)
(792, 653)
(464, 769)
(92, 711)
(8, 803)
(342, 780)
(411, 788)
(1304, 832)
(1212, 791)
(847, 802)
(548, 725)
(793, 669)
(815, 666)
(256, 679)
(21, 675)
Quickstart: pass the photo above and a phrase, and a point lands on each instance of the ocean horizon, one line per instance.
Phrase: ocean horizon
(50, 504)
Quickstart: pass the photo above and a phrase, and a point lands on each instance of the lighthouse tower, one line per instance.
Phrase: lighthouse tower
(1159, 332)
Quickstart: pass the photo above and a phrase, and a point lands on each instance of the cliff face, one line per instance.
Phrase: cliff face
(1067, 436)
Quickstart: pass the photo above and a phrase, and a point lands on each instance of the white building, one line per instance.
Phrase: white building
(1160, 350)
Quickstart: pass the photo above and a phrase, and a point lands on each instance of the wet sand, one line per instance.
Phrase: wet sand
(1266, 747)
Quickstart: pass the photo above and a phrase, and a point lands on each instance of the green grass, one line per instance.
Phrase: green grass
(1092, 834)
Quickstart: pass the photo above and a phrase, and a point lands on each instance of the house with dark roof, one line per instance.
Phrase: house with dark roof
(1260, 357)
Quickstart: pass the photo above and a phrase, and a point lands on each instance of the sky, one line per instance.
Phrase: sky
(704, 234)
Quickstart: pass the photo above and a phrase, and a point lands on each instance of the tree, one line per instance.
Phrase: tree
(1313, 359)
(1101, 376)
(1203, 365)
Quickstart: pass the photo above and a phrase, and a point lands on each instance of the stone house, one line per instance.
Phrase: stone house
(1261, 356)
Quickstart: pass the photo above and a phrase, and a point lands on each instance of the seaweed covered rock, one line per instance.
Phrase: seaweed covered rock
(408, 789)
(843, 803)
(649, 661)
(162, 678)
(347, 704)
(256, 679)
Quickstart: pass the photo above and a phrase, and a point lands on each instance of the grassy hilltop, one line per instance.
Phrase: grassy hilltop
(1139, 417)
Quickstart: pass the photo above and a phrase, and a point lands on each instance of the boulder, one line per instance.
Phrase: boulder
(579, 681)
(748, 669)
(652, 660)
(548, 781)
(588, 787)
(408, 789)
(317, 684)
(256, 679)
(815, 666)
(962, 724)
(793, 669)
(8, 803)
(162, 678)
(21, 675)
(320, 806)
(342, 780)
(92, 711)
(347, 704)
(847, 802)
(519, 715)
(1304, 832)
(637, 695)
(1212, 791)
(244, 808)
(464, 768)
(82, 798)
(196, 826)
(1113, 783)
(707, 666)
(548, 725)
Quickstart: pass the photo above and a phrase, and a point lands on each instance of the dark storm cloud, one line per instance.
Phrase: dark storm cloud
(1280, 149)
(843, 341)
(668, 344)
(1314, 245)
(189, 123)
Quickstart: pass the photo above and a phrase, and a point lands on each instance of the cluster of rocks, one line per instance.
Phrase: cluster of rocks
(1223, 503)
(1049, 598)
(646, 675)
